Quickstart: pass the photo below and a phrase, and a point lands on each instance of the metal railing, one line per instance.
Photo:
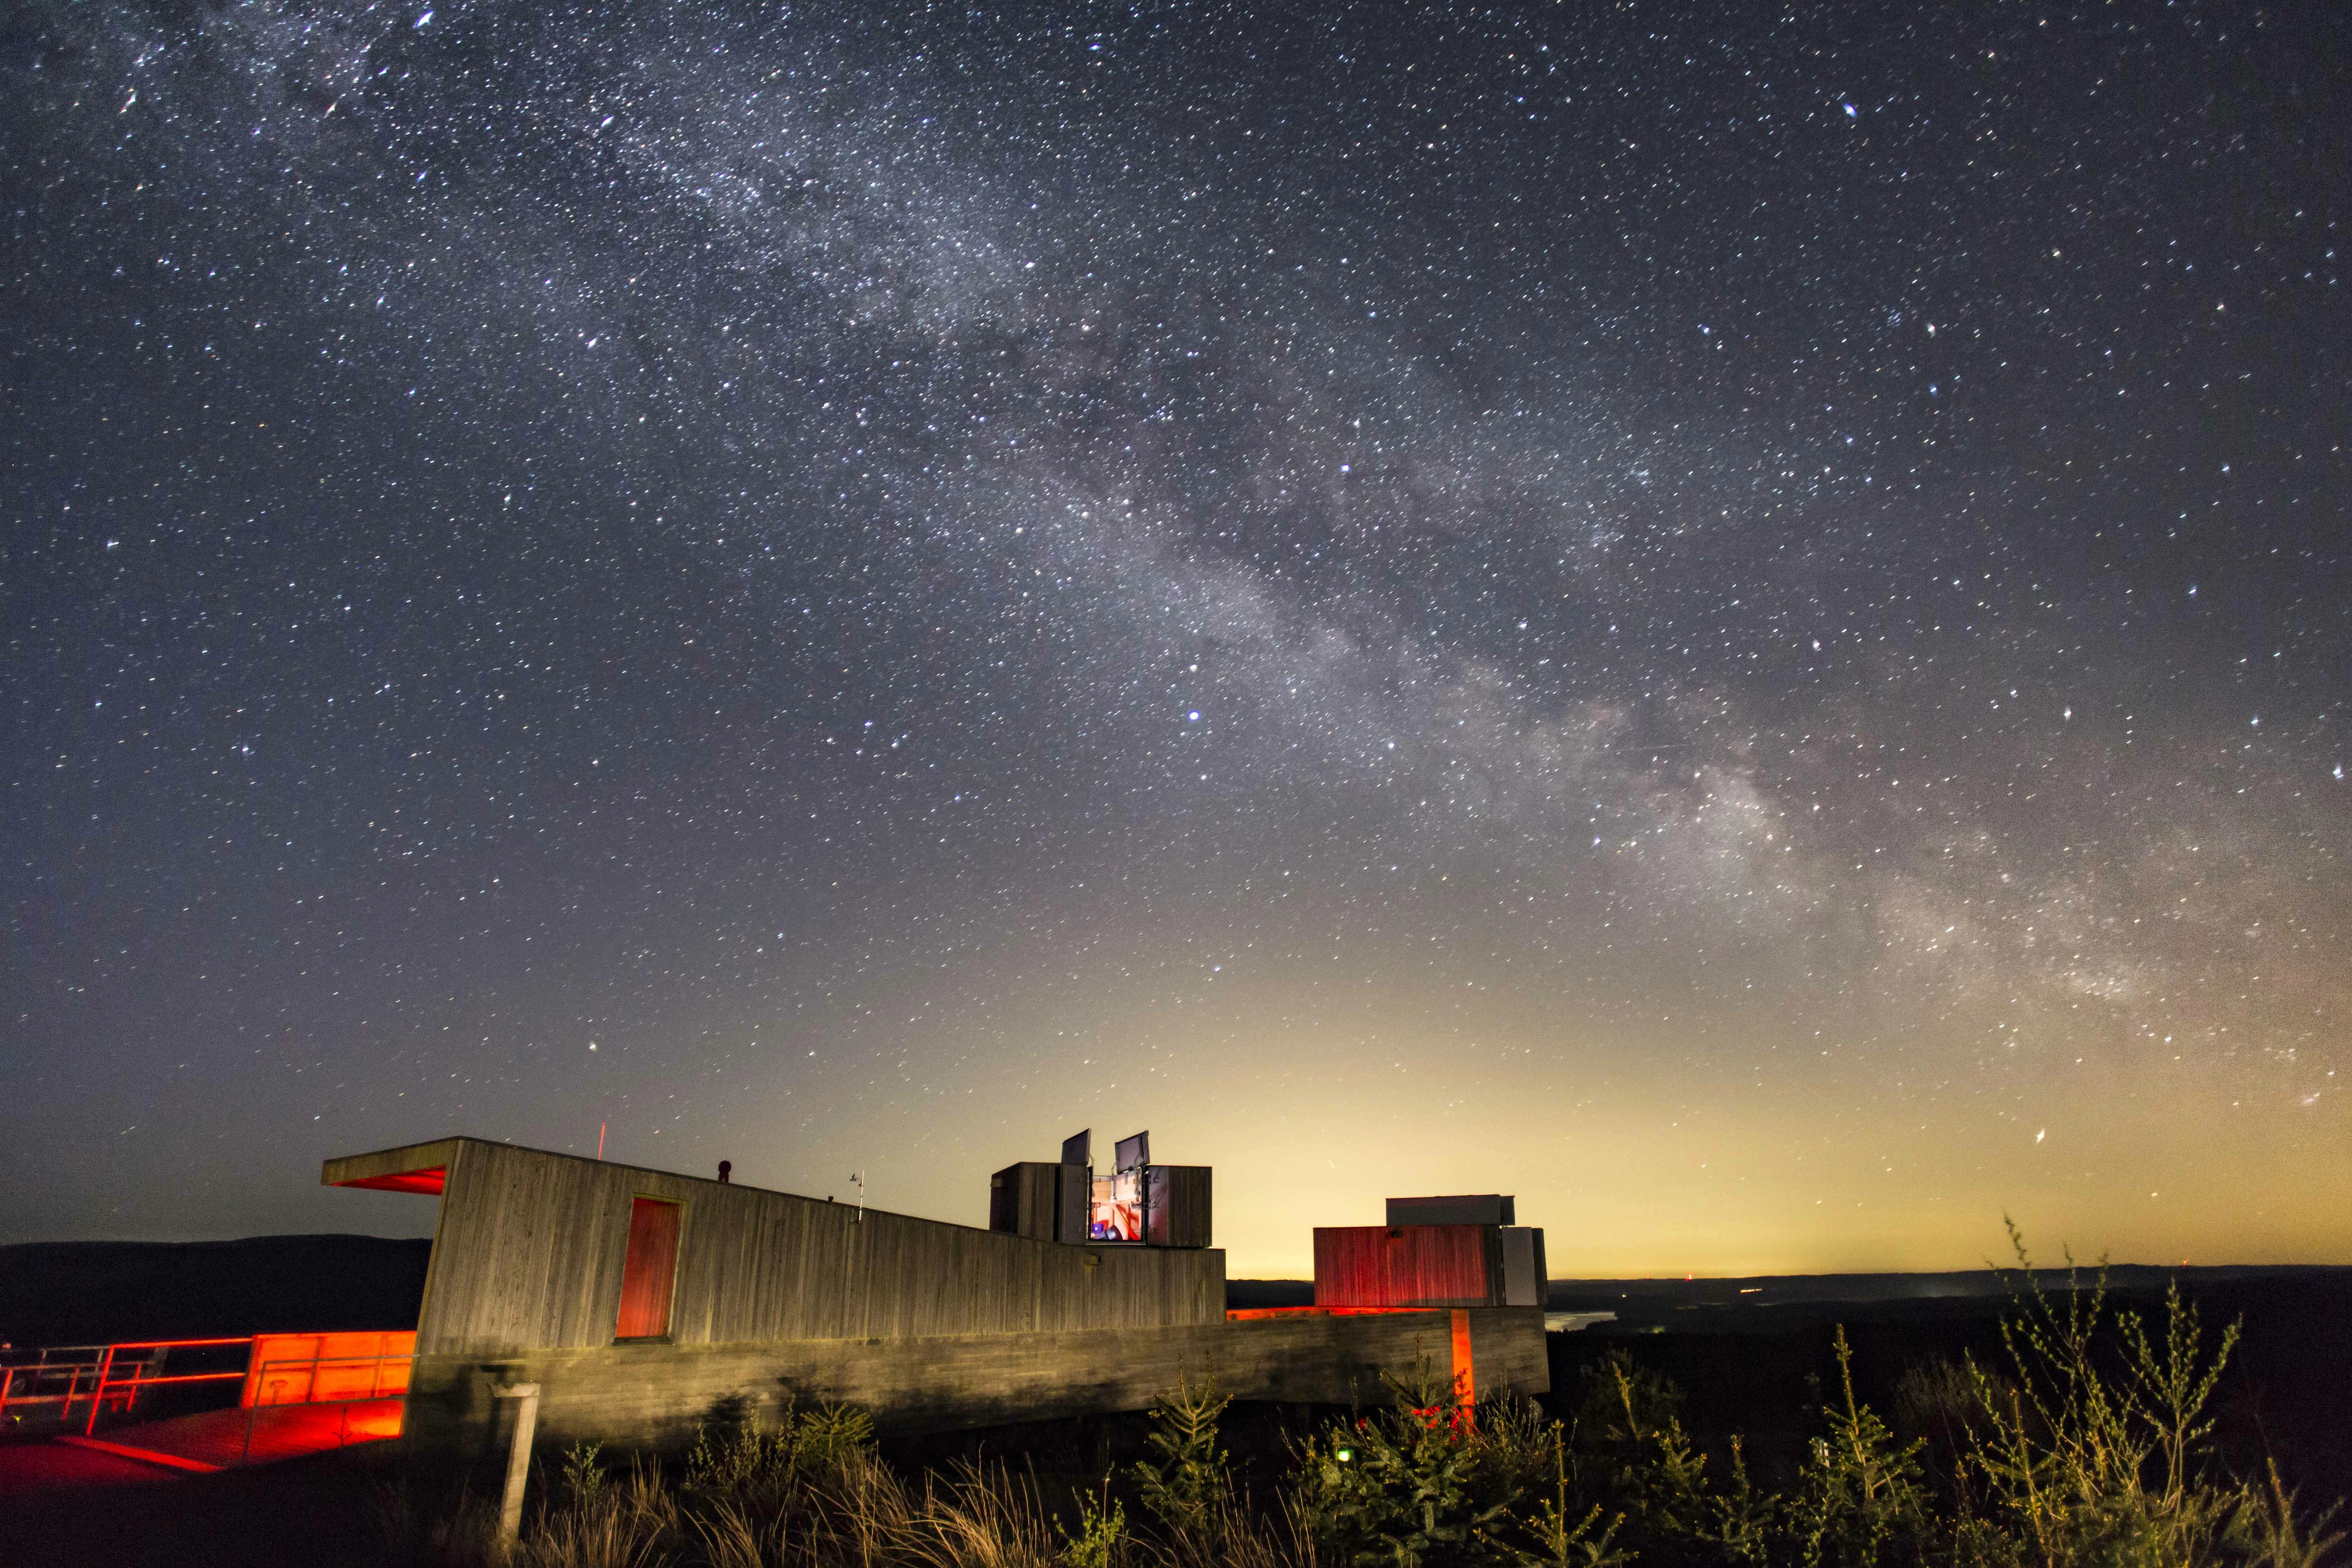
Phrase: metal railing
(333, 1368)
(51, 1374)
(149, 1372)
(61, 1377)
(349, 1397)
(344, 1383)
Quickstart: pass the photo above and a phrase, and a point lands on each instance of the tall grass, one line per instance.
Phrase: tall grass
(2087, 1445)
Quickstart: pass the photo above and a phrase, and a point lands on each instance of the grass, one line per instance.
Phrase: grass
(2087, 1443)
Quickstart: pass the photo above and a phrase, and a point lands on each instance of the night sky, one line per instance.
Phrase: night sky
(1731, 620)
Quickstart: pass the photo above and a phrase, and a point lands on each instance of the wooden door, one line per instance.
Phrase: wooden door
(650, 1270)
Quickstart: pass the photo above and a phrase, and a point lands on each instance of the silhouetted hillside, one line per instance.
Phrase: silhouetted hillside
(1665, 1300)
(90, 1292)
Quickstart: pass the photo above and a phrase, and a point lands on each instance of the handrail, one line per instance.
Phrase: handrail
(39, 1367)
(113, 1376)
(311, 1365)
(129, 1387)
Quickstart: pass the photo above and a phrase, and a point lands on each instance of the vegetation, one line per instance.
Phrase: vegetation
(2087, 1445)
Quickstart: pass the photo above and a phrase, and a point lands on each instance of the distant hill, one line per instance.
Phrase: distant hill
(1659, 1301)
(96, 1292)
(1677, 1300)
(1248, 1293)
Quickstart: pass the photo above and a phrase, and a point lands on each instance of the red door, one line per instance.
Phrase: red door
(650, 1270)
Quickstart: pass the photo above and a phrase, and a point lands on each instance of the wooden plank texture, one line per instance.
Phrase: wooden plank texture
(1021, 1199)
(350, 1168)
(1408, 1265)
(530, 1249)
(1178, 1213)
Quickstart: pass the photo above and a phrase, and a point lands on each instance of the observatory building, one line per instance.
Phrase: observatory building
(643, 1303)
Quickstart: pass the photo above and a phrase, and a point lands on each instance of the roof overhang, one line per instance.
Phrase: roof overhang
(417, 1168)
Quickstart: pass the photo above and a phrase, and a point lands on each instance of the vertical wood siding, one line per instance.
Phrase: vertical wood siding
(1408, 1265)
(1179, 1211)
(530, 1247)
(1021, 1199)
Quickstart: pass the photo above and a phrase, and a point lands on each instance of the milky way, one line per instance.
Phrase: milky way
(1735, 625)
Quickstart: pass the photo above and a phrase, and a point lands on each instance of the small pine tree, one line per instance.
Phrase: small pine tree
(1859, 1499)
(1187, 1480)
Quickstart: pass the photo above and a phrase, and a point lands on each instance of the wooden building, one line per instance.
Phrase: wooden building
(643, 1303)
(1461, 1251)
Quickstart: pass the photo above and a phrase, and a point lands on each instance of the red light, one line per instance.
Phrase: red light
(425, 1181)
(648, 1270)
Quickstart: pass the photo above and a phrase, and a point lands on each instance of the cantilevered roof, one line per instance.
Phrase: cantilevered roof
(417, 1168)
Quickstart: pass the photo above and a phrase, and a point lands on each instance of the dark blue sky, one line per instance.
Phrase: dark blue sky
(1733, 620)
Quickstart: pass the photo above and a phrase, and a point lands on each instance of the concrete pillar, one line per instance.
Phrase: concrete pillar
(526, 1398)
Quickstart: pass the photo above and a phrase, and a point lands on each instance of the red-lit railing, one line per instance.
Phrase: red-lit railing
(325, 1369)
(66, 1376)
(314, 1401)
(148, 1373)
(54, 1374)
(1252, 1314)
(72, 1387)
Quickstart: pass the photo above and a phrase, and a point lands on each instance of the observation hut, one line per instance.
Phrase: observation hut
(642, 1302)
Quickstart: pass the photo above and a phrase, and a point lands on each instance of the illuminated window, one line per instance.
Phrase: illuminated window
(1117, 1208)
(649, 1271)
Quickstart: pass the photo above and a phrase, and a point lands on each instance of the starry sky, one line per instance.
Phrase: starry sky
(1730, 619)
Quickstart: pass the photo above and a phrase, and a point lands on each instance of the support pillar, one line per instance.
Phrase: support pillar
(526, 1398)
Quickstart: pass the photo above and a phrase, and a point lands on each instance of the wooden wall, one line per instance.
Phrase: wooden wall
(1408, 1265)
(656, 1396)
(529, 1248)
(1178, 1213)
(1024, 1199)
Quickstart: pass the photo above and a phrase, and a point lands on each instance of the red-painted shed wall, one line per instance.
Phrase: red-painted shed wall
(1408, 1265)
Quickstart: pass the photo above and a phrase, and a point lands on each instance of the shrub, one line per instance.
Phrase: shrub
(1411, 1484)
(2090, 1447)
(1100, 1540)
(1859, 1498)
(1186, 1479)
